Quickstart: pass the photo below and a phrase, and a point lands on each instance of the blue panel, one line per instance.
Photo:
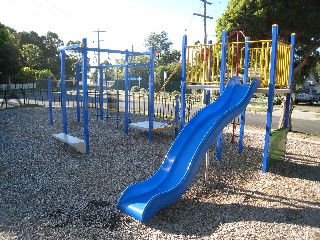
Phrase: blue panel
(144, 199)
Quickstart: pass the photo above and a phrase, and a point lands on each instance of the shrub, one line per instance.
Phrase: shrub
(135, 89)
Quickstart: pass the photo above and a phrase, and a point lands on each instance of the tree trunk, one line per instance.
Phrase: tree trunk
(282, 116)
(311, 48)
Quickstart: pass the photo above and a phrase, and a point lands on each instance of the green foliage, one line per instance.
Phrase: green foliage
(277, 99)
(135, 89)
(143, 90)
(31, 75)
(162, 46)
(139, 71)
(174, 82)
(9, 55)
(26, 55)
(160, 42)
(176, 92)
(31, 55)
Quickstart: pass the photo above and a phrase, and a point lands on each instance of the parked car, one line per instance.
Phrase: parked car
(306, 96)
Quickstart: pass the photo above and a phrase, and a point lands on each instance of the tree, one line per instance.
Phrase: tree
(72, 57)
(173, 71)
(160, 42)
(162, 46)
(9, 55)
(51, 53)
(31, 55)
(140, 71)
(166, 57)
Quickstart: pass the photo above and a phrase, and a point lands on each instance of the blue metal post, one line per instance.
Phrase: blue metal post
(245, 79)
(270, 97)
(183, 82)
(63, 92)
(85, 95)
(50, 101)
(176, 119)
(151, 94)
(107, 97)
(118, 103)
(101, 92)
(222, 79)
(207, 97)
(126, 94)
(288, 95)
(78, 90)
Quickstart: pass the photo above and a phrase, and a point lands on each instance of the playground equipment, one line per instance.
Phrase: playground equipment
(144, 199)
(199, 66)
(83, 145)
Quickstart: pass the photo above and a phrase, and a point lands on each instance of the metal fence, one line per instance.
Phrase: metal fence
(164, 105)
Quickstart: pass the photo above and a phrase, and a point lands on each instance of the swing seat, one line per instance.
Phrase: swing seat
(77, 143)
(145, 125)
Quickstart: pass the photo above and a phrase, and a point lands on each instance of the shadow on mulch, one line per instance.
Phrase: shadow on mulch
(208, 217)
(298, 167)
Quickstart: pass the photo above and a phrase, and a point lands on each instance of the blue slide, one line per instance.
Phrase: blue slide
(144, 199)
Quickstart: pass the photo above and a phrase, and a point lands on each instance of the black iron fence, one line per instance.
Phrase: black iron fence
(164, 106)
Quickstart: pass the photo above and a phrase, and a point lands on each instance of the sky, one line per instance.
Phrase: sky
(125, 23)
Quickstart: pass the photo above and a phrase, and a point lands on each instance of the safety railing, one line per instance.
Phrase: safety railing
(204, 61)
(203, 64)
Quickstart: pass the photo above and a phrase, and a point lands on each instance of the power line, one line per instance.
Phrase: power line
(205, 16)
(192, 19)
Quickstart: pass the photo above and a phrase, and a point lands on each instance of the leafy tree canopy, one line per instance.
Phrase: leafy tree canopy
(9, 54)
(22, 53)
(162, 46)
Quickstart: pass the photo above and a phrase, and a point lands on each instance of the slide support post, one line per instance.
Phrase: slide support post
(63, 91)
(245, 80)
(183, 82)
(291, 67)
(270, 97)
(85, 95)
(151, 95)
(222, 79)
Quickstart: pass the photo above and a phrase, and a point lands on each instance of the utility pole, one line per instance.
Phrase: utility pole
(99, 31)
(205, 16)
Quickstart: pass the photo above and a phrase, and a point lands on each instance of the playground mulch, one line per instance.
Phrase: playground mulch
(50, 191)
